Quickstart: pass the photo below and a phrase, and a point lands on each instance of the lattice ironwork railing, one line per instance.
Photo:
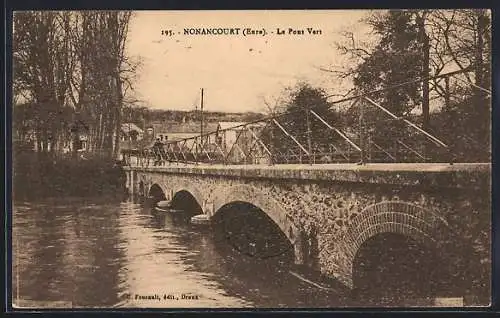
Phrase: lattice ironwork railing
(365, 131)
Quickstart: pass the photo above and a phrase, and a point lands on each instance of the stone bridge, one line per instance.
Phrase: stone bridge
(328, 211)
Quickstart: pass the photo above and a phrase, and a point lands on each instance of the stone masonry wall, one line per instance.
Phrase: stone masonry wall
(328, 220)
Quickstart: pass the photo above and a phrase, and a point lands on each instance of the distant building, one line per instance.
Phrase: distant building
(29, 141)
(227, 132)
(236, 138)
(80, 128)
(178, 131)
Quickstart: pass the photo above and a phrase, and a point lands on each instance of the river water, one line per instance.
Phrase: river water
(103, 253)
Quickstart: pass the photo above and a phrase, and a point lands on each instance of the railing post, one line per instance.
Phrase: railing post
(271, 146)
(245, 160)
(369, 147)
(362, 131)
(309, 135)
(197, 151)
(224, 146)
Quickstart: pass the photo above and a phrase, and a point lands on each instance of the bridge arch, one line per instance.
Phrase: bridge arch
(261, 200)
(168, 190)
(187, 187)
(423, 226)
(157, 192)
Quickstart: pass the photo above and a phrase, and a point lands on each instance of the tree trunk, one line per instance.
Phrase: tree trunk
(479, 67)
(481, 108)
(425, 72)
(118, 114)
(76, 141)
(101, 133)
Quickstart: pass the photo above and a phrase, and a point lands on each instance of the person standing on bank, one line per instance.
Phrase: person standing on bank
(161, 152)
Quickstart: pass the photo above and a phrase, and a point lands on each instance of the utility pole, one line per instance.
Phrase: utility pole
(201, 118)
(424, 39)
(362, 131)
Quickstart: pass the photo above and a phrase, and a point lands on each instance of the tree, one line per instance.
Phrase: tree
(295, 115)
(467, 38)
(418, 44)
(41, 70)
(396, 58)
(75, 59)
(103, 76)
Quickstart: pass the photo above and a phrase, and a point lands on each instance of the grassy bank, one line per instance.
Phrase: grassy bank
(40, 175)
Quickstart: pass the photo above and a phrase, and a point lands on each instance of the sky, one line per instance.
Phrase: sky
(237, 72)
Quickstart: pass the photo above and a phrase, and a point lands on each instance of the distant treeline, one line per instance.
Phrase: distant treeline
(144, 115)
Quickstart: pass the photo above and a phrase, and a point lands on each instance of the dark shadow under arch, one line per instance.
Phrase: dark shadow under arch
(261, 199)
(156, 193)
(250, 231)
(394, 269)
(422, 225)
(185, 201)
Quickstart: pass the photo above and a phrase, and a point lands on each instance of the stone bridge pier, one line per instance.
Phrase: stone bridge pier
(329, 212)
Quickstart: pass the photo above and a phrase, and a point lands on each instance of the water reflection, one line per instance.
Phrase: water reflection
(101, 254)
(62, 248)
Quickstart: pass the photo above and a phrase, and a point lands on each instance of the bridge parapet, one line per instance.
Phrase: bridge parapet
(465, 175)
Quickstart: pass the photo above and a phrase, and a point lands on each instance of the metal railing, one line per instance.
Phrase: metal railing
(365, 132)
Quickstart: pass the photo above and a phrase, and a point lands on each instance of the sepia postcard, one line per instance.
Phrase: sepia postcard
(251, 159)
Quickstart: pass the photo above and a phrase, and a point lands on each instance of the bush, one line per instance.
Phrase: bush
(38, 175)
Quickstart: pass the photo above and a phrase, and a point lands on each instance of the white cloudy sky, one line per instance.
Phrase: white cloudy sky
(235, 71)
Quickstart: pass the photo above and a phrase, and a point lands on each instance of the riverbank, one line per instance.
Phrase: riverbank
(39, 175)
